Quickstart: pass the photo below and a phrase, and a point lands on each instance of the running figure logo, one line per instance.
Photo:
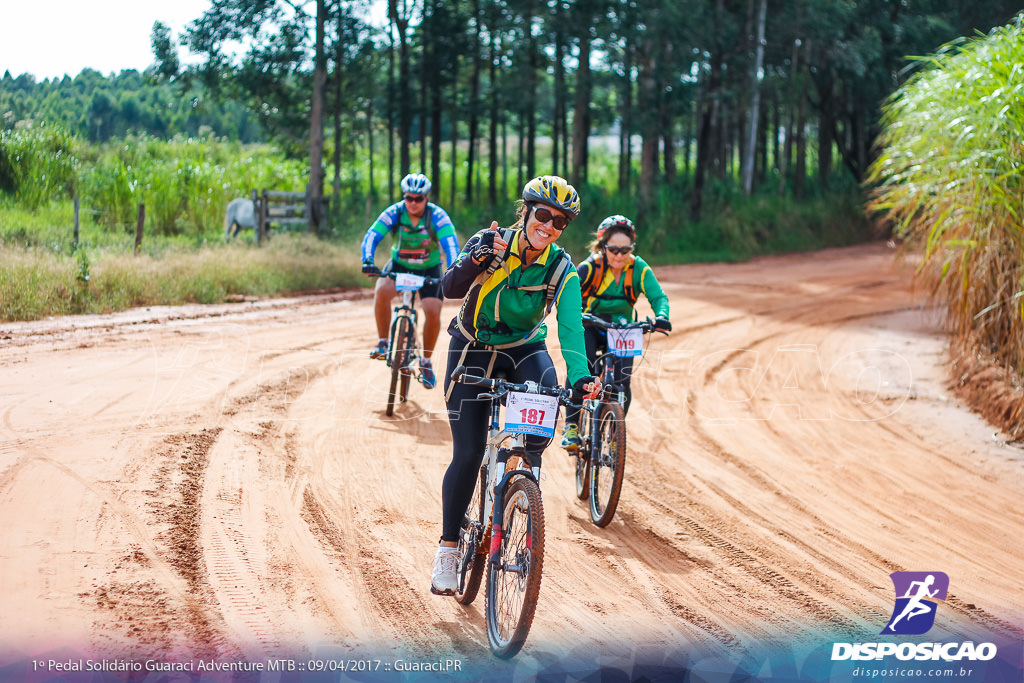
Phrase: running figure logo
(917, 598)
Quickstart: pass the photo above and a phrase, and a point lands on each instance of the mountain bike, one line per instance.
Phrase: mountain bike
(402, 347)
(507, 537)
(601, 460)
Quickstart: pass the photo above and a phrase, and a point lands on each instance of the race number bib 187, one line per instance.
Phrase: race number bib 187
(407, 282)
(626, 343)
(531, 414)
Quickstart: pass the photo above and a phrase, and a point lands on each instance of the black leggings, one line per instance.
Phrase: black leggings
(622, 369)
(468, 417)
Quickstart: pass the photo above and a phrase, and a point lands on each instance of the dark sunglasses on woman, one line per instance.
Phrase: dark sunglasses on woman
(621, 251)
(557, 222)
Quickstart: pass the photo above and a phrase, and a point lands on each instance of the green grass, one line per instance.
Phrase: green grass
(36, 283)
(186, 184)
(950, 178)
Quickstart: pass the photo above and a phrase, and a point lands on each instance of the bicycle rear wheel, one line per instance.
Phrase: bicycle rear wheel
(399, 358)
(513, 583)
(472, 552)
(606, 474)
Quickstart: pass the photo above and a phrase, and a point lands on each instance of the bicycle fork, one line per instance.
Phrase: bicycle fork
(498, 487)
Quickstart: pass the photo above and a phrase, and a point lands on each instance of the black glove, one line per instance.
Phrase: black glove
(662, 325)
(578, 387)
(483, 253)
(370, 269)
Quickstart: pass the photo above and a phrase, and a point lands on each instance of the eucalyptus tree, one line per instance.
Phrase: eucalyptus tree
(586, 18)
(473, 108)
(400, 13)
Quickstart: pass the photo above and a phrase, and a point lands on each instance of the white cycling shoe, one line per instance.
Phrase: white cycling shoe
(444, 575)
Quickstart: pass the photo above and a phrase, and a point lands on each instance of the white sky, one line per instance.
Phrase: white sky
(51, 38)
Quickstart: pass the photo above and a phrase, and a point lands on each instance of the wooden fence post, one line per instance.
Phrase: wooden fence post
(263, 216)
(139, 226)
(76, 223)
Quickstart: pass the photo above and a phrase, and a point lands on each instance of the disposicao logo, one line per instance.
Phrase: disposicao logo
(917, 598)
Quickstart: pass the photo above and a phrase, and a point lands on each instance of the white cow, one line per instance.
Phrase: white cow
(240, 215)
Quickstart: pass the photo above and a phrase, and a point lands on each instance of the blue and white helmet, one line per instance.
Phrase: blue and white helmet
(416, 183)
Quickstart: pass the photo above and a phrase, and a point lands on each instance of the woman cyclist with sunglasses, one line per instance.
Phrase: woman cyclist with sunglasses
(612, 278)
(509, 280)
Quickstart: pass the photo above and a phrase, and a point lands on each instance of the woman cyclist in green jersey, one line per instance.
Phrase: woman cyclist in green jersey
(509, 281)
(612, 278)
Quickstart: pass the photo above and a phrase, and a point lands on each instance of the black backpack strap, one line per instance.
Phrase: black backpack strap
(556, 278)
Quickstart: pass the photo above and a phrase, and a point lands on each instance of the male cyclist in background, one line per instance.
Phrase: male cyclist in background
(420, 230)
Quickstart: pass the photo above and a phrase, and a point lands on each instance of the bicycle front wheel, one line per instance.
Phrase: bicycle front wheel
(472, 552)
(407, 370)
(399, 357)
(606, 474)
(583, 456)
(513, 583)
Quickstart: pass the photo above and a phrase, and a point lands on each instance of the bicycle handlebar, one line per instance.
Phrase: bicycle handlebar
(426, 280)
(500, 387)
(590, 320)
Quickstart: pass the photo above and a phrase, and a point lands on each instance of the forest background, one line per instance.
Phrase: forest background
(723, 128)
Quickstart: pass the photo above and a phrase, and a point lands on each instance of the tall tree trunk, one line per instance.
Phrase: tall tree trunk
(667, 122)
(705, 138)
(800, 138)
(626, 120)
(761, 164)
(391, 108)
(371, 190)
(754, 116)
(492, 143)
(520, 150)
(647, 97)
(453, 122)
(474, 104)
(404, 96)
(339, 90)
(435, 136)
(559, 97)
(316, 133)
(504, 155)
(531, 95)
(826, 127)
(427, 74)
(581, 110)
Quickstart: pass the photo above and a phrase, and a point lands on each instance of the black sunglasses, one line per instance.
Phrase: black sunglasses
(414, 198)
(621, 251)
(557, 222)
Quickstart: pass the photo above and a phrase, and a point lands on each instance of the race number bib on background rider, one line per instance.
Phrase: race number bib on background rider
(531, 414)
(407, 282)
(626, 343)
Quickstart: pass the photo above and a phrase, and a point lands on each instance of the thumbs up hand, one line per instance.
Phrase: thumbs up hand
(490, 245)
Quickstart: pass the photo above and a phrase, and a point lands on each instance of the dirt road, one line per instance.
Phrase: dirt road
(221, 482)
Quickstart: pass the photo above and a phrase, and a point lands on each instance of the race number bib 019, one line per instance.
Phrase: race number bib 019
(407, 282)
(531, 414)
(626, 343)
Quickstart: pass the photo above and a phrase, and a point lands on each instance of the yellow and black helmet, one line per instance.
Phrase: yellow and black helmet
(553, 191)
